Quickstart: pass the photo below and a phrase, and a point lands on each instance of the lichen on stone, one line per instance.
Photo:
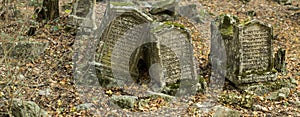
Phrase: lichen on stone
(175, 24)
(227, 23)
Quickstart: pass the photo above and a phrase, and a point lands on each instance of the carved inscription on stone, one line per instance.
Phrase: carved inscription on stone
(125, 32)
(255, 46)
(176, 54)
(249, 51)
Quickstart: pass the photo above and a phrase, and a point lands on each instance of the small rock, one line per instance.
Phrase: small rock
(22, 108)
(285, 91)
(293, 8)
(21, 77)
(226, 112)
(272, 96)
(162, 6)
(284, 2)
(45, 92)
(258, 89)
(245, 1)
(293, 81)
(164, 96)
(280, 94)
(190, 11)
(124, 101)
(297, 103)
(84, 106)
(260, 108)
(205, 106)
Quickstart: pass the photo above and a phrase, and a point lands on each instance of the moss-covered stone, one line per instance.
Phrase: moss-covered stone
(176, 24)
(227, 30)
(22, 108)
(226, 24)
(242, 100)
(124, 101)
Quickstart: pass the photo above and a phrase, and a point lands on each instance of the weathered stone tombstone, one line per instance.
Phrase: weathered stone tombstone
(116, 35)
(249, 51)
(176, 56)
(132, 42)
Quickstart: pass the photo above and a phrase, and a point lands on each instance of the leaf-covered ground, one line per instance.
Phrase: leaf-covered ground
(48, 79)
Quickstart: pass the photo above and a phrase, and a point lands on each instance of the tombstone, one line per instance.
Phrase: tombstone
(124, 34)
(176, 57)
(132, 46)
(249, 51)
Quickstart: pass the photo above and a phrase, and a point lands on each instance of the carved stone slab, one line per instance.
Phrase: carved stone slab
(252, 49)
(125, 32)
(175, 55)
(174, 44)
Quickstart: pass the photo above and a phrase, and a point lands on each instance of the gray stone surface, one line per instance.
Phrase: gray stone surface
(222, 111)
(164, 5)
(22, 108)
(280, 94)
(161, 95)
(248, 49)
(191, 12)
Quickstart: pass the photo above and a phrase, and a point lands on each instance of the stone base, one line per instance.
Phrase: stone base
(267, 87)
(267, 76)
(252, 78)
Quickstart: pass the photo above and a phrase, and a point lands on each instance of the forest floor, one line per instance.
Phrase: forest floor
(48, 79)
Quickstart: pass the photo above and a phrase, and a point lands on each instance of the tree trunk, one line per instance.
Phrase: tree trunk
(50, 10)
